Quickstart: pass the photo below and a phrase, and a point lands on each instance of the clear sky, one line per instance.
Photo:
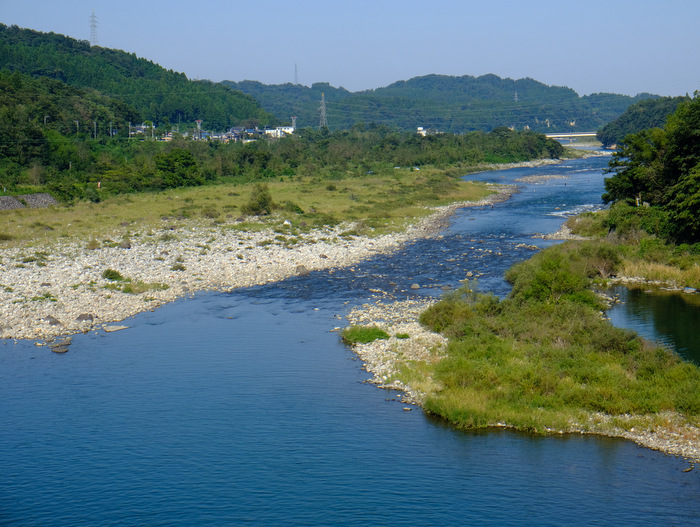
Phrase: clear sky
(616, 46)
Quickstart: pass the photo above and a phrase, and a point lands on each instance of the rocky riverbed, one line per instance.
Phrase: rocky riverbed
(77, 286)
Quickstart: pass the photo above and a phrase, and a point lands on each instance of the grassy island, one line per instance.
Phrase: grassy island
(546, 359)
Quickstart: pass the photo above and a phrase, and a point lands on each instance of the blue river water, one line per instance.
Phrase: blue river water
(245, 408)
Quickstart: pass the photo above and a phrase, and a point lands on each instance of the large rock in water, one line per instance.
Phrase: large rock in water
(302, 270)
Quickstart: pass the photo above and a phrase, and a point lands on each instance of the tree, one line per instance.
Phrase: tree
(638, 169)
(178, 168)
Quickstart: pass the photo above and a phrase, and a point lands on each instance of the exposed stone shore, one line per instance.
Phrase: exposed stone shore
(48, 291)
(384, 359)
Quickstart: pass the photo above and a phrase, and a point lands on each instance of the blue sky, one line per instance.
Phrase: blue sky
(617, 46)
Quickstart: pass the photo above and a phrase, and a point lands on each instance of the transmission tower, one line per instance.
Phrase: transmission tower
(323, 122)
(93, 29)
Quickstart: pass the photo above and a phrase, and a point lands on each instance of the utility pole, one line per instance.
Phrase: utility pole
(323, 122)
(77, 126)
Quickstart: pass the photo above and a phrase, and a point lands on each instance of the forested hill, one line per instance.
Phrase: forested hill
(650, 113)
(158, 95)
(446, 103)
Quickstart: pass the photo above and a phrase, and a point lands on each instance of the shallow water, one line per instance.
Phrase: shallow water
(245, 408)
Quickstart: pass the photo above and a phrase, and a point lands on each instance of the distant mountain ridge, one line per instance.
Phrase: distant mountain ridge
(156, 94)
(447, 103)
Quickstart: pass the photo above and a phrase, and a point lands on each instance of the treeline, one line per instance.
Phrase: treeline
(156, 94)
(655, 182)
(73, 167)
(650, 113)
(453, 104)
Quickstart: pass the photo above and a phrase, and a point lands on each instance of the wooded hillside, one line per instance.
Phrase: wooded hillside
(446, 103)
(156, 94)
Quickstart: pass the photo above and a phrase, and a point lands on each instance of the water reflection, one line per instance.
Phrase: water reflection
(661, 316)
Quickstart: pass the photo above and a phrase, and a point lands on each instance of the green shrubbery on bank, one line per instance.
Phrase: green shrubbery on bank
(544, 357)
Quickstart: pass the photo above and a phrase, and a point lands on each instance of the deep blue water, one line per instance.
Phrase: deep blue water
(245, 408)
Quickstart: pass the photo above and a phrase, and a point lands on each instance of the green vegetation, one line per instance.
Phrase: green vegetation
(80, 168)
(111, 274)
(127, 285)
(660, 169)
(377, 203)
(146, 91)
(260, 203)
(544, 358)
(445, 103)
(67, 110)
(625, 231)
(649, 113)
(363, 334)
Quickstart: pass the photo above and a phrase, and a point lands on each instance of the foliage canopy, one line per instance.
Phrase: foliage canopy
(660, 168)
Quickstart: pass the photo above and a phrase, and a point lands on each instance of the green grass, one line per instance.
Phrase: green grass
(363, 334)
(384, 202)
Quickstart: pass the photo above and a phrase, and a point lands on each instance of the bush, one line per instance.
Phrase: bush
(260, 203)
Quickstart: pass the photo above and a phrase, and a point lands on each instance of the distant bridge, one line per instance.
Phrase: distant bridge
(572, 135)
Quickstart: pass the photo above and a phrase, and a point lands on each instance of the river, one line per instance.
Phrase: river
(245, 408)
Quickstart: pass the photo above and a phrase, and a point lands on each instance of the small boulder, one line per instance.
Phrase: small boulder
(302, 270)
(53, 321)
(415, 286)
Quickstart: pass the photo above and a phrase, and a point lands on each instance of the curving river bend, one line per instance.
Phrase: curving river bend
(245, 408)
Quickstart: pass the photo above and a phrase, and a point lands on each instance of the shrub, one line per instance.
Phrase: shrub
(111, 274)
(260, 203)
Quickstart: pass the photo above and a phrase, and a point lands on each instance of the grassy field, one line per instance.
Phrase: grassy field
(382, 202)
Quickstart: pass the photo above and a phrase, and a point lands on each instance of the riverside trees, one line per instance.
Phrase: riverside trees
(660, 168)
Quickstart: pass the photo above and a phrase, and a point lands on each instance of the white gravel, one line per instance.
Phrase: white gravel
(44, 289)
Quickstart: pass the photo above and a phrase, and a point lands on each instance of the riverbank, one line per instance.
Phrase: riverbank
(63, 288)
(403, 363)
